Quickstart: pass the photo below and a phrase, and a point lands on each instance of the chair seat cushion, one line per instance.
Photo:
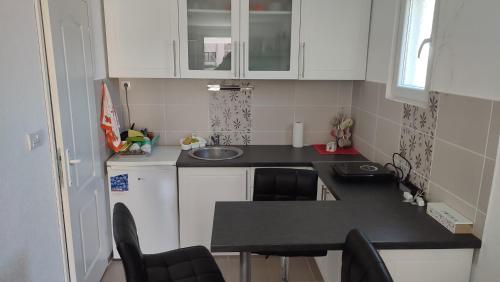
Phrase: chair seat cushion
(193, 264)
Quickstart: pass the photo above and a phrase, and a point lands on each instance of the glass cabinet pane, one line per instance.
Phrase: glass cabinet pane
(209, 34)
(270, 28)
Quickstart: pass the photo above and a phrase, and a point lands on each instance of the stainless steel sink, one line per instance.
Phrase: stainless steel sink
(216, 153)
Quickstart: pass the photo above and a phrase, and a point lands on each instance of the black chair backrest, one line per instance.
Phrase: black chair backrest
(127, 243)
(283, 184)
(361, 262)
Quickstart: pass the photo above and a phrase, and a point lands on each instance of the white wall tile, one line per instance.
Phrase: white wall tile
(316, 118)
(457, 170)
(464, 121)
(272, 118)
(491, 150)
(316, 93)
(187, 117)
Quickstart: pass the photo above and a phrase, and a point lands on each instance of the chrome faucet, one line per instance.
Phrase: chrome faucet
(215, 139)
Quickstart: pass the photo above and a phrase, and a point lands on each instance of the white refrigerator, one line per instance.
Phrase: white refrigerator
(147, 185)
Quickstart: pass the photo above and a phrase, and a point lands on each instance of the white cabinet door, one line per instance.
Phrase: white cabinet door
(209, 34)
(466, 49)
(199, 189)
(269, 39)
(142, 38)
(334, 39)
(380, 43)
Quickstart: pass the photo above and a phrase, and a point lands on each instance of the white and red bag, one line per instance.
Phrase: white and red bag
(109, 121)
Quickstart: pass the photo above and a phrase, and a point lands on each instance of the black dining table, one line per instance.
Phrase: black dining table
(374, 208)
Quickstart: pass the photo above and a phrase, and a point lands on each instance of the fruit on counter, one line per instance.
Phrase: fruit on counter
(135, 133)
(190, 140)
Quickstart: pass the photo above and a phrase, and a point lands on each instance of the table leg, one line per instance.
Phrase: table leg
(245, 267)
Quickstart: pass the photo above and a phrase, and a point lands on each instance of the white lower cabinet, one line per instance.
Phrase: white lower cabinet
(436, 265)
(199, 189)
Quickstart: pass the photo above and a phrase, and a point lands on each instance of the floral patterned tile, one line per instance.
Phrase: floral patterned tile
(234, 138)
(230, 111)
(421, 182)
(422, 119)
(417, 148)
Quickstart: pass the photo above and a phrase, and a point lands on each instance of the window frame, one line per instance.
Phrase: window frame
(413, 96)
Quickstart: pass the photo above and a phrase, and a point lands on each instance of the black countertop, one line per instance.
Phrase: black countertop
(373, 207)
(297, 226)
(272, 155)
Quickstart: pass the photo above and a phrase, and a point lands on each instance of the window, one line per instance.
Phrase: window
(412, 52)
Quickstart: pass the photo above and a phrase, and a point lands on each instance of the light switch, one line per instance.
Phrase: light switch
(33, 140)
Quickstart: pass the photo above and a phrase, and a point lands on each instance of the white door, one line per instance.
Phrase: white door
(209, 34)
(66, 24)
(269, 31)
(142, 38)
(334, 39)
(199, 189)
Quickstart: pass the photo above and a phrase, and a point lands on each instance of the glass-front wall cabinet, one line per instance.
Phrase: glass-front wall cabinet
(269, 34)
(239, 38)
(208, 38)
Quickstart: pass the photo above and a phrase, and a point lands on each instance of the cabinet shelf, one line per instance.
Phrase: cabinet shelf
(227, 12)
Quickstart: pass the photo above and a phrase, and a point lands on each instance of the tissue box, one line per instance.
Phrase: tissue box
(449, 218)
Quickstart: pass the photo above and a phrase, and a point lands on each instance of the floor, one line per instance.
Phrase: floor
(263, 270)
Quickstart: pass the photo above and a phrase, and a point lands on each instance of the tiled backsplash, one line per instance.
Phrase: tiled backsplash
(451, 145)
(231, 116)
(175, 108)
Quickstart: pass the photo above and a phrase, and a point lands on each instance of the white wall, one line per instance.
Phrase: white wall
(30, 240)
(486, 269)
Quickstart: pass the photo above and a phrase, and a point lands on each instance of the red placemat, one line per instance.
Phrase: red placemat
(321, 149)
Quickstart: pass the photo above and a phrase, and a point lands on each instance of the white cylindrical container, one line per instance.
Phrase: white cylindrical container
(298, 135)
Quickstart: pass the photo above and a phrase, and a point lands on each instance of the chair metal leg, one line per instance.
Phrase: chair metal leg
(285, 265)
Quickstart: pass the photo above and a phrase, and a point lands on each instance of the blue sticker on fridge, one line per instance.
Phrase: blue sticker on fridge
(119, 183)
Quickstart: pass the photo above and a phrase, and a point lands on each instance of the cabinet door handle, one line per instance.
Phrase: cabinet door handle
(244, 58)
(174, 50)
(323, 193)
(303, 59)
(246, 182)
(235, 58)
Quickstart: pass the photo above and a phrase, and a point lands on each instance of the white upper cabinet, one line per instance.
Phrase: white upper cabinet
(466, 43)
(381, 30)
(466, 60)
(269, 32)
(334, 39)
(209, 34)
(142, 38)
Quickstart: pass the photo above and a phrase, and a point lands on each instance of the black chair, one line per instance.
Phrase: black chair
(361, 262)
(283, 184)
(193, 264)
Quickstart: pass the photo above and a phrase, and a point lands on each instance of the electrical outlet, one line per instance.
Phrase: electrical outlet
(127, 83)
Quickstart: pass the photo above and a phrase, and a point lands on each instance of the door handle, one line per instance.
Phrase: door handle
(424, 42)
(74, 162)
(69, 181)
(303, 59)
